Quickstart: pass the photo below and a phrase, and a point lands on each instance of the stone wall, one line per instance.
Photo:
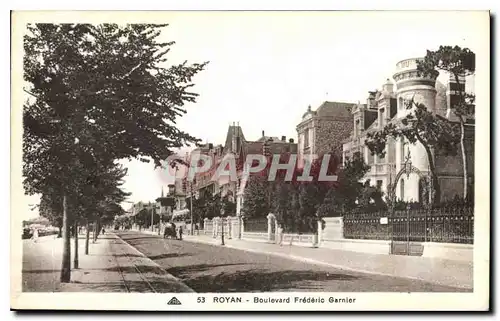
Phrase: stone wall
(329, 134)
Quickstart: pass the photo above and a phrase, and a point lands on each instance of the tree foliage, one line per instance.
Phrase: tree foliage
(435, 133)
(98, 94)
(458, 62)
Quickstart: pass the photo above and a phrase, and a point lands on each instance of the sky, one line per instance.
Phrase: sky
(265, 68)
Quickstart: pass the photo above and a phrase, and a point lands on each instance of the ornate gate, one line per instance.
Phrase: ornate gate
(405, 236)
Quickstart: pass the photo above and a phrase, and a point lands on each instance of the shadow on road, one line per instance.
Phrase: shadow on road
(168, 256)
(133, 269)
(256, 280)
(40, 271)
(186, 270)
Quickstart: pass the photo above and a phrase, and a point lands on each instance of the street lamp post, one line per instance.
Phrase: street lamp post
(191, 208)
(222, 225)
(152, 216)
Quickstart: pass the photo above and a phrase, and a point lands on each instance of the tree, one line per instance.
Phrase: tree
(433, 132)
(50, 208)
(459, 62)
(82, 76)
(348, 190)
(257, 197)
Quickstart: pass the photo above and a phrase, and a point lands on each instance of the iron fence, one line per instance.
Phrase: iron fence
(446, 225)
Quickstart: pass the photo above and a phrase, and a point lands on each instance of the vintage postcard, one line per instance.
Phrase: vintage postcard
(250, 161)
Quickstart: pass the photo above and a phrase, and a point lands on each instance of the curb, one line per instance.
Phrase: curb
(167, 275)
(341, 267)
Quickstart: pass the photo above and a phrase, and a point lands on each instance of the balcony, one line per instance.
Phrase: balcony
(382, 169)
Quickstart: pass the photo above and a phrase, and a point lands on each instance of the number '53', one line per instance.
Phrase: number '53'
(201, 300)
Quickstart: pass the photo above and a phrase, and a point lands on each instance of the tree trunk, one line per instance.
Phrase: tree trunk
(75, 259)
(464, 156)
(66, 258)
(87, 238)
(432, 167)
(459, 114)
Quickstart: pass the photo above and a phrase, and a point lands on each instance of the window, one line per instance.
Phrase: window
(369, 159)
(306, 137)
(379, 184)
(402, 189)
(403, 150)
(356, 128)
(381, 117)
(401, 104)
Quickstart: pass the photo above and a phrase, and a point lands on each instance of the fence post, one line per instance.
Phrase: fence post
(215, 227)
(408, 230)
(270, 217)
(229, 221)
(205, 223)
(242, 227)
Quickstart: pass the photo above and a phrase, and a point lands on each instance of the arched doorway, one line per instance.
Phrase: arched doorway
(406, 237)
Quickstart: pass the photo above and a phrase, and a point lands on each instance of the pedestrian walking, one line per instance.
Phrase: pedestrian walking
(103, 231)
(280, 235)
(180, 232)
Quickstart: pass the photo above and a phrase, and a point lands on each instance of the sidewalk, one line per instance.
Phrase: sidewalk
(438, 271)
(111, 266)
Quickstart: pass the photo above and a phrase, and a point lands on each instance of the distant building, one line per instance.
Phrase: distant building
(323, 130)
(388, 105)
(237, 145)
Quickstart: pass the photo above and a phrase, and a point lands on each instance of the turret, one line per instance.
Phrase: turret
(413, 85)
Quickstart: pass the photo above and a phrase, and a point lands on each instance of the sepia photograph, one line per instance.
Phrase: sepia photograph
(263, 160)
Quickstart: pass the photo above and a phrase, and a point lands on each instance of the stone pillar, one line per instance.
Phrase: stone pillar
(341, 220)
(229, 221)
(242, 227)
(215, 226)
(318, 237)
(270, 218)
(205, 223)
(276, 231)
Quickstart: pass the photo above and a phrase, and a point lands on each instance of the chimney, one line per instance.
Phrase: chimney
(283, 138)
(290, 140)
(263, 134)
(388, 86)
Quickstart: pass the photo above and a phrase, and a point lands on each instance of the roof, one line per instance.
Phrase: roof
(236, 131)
(339, 110)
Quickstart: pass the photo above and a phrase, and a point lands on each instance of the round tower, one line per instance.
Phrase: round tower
(422, 89)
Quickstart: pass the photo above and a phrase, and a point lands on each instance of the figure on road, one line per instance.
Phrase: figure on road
(180, 232)
(35, 235)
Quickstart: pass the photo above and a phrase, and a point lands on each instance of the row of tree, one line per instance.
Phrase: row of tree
(210, 205)
(97, 94)
(299, 204)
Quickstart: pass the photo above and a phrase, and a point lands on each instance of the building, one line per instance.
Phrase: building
(239, 147)
(323, 130)
(437, 93)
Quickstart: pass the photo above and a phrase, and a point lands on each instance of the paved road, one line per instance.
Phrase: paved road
(208, 268)
(41, 268)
